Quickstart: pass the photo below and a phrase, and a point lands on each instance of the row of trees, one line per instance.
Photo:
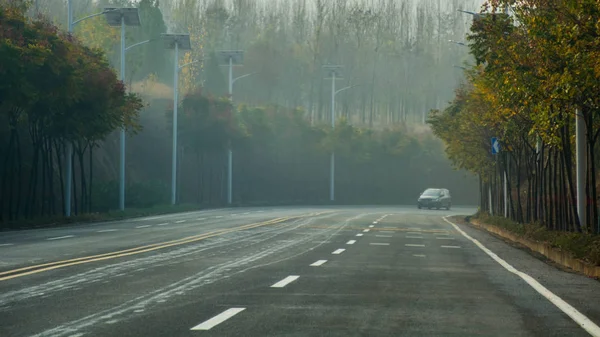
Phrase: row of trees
(537, 66)
(396, 51)
(54, 91)
(280, 158)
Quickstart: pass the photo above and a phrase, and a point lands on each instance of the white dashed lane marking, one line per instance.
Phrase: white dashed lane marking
(383, 236)
(338, 251)
(143, 226)
(6, 244)
(220, 318)
(180, 221)
(371, 226)
(419, 255)
(200, 219)
(163, 224)
(107, 230)
(379, 244)
(285, 281)
(413, 237)
(351, 242)
(318, 263)
(443, 238)
(366, 231)
(450, 246)
(413, 245)
(359, 234)
(62, 237)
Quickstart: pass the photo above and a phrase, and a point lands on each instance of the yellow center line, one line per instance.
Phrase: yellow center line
(132, 251)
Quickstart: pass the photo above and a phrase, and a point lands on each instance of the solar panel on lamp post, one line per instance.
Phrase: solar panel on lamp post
(122, 17)
(176, 42)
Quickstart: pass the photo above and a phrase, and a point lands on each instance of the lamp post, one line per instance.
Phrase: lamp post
(122, 17)
(231, 58)
(176, 42)
(335, 73)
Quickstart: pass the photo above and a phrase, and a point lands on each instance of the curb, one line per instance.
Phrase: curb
(563, 258)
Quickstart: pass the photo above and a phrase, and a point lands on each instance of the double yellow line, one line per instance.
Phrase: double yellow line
(20, 272)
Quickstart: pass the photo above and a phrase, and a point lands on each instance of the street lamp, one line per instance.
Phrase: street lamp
(335, 73)
(231, 58)
(177, 42)
(122, 17)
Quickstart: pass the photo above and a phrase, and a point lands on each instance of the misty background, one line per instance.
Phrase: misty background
(396, 53)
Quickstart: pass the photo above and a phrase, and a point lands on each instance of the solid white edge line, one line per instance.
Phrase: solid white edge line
(318, 263)
(338, 251)
(565, 307)
(285, 281)
(351, 242)
(61, 237)
(220, 318)
(360, 234)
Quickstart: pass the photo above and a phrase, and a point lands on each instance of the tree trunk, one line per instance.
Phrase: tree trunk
(57, 147)
(567, 157)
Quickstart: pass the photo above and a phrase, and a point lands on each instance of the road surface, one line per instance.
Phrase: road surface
(295, 271)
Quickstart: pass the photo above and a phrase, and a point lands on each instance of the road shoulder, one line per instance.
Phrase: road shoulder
(580, 291)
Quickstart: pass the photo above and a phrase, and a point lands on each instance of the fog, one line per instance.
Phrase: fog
(396, 60)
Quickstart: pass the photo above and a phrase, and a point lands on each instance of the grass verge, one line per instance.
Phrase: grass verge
(585, 247)
(58, 221)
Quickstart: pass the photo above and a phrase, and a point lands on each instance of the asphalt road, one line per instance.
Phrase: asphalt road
(296, 271)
